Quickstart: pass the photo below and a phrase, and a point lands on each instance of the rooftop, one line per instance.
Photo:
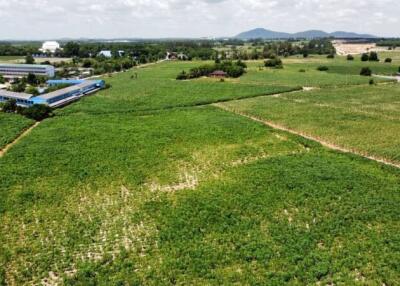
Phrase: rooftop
(12, 94)
(67, 89)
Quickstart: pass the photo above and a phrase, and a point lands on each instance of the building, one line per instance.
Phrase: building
(69, 94)
(56, 98)
(218, 74)
(20, 70)
(50, 47)
(23, 99)
(106, 54)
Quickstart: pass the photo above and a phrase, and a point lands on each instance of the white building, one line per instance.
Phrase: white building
(20, 70)
(50, 47)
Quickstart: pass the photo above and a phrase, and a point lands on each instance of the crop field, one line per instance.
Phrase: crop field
(11, 125)
(151, 182)
(365, 119)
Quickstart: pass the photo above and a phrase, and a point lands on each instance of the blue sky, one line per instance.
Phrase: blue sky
(45, 19)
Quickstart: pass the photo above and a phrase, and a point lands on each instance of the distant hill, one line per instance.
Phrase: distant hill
(311, 34)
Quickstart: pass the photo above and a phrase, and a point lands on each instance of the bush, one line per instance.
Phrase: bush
(371, 81)
(302, 70)
(274, 63)
(38, 112)
(331, 56)
(364, 57)
(10, 106)
(350, 58)
(366, 72)
(388, 60)
(322, 68)
(182, 76)
(373, 57)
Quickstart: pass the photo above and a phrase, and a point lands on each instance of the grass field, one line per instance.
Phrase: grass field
(11, 125)
(146, 184)
(365, 119)
(7, 59)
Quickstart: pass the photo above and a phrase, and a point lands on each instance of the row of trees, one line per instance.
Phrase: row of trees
(36, 112)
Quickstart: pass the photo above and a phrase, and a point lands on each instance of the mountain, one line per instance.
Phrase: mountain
(311, 34)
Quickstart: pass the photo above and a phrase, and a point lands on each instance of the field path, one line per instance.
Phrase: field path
(16, 140)
(309, 137)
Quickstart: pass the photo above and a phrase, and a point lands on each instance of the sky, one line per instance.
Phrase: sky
(55, 19)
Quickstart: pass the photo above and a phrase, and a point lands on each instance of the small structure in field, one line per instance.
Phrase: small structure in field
(218, 74)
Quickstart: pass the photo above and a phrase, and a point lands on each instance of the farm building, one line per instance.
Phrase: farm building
(218, 74)
(20, 70)
(56, 98)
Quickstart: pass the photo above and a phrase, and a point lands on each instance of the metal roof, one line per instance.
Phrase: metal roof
(25, 66)
(15, 95)
(67, 89)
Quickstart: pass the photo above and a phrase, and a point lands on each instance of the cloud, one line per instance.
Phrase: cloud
(191, 18)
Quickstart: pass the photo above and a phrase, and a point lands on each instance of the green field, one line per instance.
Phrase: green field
(7, 59)
(365, 119)
(11, 125)
(146, 183)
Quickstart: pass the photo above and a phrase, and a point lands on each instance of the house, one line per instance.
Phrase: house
(218, 74)
(20, 70)
(105, 53)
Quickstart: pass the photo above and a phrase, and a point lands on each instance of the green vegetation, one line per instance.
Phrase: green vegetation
(365, 119)
(11, 125)
(141, 184)
(232, 69)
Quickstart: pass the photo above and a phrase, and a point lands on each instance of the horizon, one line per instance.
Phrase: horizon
(193, 19)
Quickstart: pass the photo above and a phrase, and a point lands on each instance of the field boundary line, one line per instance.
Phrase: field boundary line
(324, 143)
(17, 139)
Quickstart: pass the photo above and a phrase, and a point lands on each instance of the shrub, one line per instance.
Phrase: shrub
(350, 58)
(322, 68)
(364, 57)
(38, 112)
(302, 70)
(182, 76)
(274, 63)
(331, 56)
(366, 72)
(10, 106)
(371, 81)
(373, 57)
(388, 60)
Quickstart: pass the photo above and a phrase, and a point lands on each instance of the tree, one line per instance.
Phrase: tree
(38, 112)
(322, 68)
(32, 90)
(29, 60)
(31, 79)
(350, 58)
(274, 63)
(388, 60)
(364, 57)
(331, 56)
(2, 80)
(366, 71)
(373, 57)
(10, 106)
(71, 49)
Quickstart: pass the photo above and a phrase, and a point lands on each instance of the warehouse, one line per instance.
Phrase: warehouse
(56, 98)
(20, 70)
(69, 94)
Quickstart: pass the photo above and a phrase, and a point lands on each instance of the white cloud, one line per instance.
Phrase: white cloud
(191, 18)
